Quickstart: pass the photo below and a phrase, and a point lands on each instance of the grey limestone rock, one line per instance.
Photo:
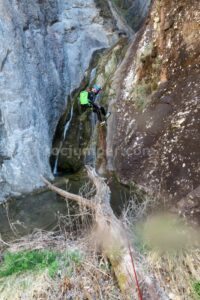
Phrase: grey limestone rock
(46, 47)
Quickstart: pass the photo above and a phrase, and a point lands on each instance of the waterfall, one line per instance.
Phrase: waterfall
(90, 157)
(92, 149)
(68, 123)
(66, 128)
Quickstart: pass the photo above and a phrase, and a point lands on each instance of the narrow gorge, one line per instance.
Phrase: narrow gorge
(145, 55)
(46, 50)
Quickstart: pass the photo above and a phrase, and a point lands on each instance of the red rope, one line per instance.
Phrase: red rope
(135, 274)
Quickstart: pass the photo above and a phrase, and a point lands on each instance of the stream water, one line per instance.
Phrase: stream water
(21, 216)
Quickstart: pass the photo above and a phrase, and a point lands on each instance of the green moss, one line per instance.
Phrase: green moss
(154, 86)
(104, 7)
(75, 256)
(109, 61)
(141, 95)
(115, 254)
(143, 90)
(196, 289)
(106, 69)
(147, 52)
(122, 279)
(15, 263)
(27, 260)
(53, 268)
(85, 115)
(157, 63)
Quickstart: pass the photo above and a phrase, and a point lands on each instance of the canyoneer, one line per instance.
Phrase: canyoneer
(87, 100)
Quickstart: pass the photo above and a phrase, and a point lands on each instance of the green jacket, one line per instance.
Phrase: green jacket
(84, 98)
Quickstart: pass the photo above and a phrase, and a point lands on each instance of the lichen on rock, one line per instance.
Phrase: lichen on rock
(153, 133)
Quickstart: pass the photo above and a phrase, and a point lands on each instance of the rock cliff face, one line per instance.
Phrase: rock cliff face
(133, 11)
(46, 47)
(153, 135)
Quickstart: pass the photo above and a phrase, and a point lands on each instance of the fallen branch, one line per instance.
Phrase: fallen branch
(111, 237)
(80, 200)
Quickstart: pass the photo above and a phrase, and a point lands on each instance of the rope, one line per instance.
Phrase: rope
(135, 273)
(103, 142)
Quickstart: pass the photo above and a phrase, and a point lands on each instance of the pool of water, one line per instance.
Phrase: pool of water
(40, 210)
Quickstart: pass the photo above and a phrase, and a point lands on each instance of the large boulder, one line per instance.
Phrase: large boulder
(153, 133)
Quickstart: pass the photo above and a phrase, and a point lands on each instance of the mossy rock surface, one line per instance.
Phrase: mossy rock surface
(71, 156)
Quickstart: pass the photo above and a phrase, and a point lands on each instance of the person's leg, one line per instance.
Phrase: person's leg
(83, 108)
(97, 110)
(106, 115)
(103, 111)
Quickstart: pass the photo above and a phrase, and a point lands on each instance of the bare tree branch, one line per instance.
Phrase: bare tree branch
(111, 236)
(80, 200)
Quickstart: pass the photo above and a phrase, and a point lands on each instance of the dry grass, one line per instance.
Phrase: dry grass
(169, 251)
(176, 272)
(173, 254)
(89, 278)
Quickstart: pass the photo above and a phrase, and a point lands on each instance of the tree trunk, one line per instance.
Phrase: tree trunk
(112, 239)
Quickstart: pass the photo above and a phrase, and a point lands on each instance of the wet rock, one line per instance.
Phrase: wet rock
(82, 138)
